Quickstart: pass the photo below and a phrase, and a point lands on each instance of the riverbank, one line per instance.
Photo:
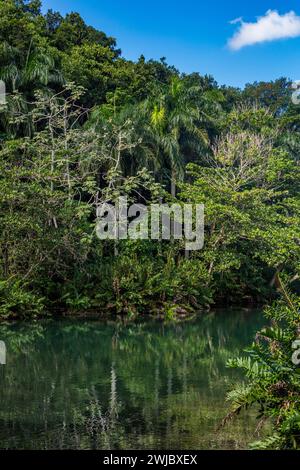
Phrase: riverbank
(173, 313)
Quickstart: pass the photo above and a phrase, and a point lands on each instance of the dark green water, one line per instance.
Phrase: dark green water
(149, 385)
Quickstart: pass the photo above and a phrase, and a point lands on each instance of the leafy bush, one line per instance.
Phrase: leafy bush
(148, 277)
(16, 300)
(273, 378)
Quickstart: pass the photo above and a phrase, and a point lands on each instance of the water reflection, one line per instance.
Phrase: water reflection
(2, 353)
(97, 385)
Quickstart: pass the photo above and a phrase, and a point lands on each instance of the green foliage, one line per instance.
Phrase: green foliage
(273, 380)
(247, 187)
(17, 301)
(82, 125)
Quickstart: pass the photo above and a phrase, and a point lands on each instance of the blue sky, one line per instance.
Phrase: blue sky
(193, 35)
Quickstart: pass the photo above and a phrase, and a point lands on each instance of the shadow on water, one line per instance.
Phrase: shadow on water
(92, 385)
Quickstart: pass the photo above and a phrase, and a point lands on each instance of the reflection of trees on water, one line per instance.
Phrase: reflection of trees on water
(90, 385)
(101, 423)
(2, 353)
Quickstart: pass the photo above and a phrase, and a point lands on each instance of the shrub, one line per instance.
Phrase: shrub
(16, 300)
(273, 377)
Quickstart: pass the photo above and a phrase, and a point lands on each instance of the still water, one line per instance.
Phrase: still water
(106, 385)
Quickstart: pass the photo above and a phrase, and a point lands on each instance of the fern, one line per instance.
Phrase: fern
(274, 442)
(273, 379)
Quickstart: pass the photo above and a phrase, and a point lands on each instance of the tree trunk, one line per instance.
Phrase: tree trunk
(173, 183)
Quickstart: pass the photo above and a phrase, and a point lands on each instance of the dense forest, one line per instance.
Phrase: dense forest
(81, 125)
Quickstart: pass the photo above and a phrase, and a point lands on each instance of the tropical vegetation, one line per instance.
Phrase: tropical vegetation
(272, 375)
(80, 125)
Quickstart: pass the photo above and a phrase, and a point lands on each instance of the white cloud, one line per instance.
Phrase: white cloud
(237, 20)
(269, 27)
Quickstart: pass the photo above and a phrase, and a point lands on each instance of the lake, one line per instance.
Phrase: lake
(70, 384)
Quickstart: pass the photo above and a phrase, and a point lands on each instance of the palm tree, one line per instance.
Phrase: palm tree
(160, 134)
(22, 78)
(127, 137)
(174, 118)
(37, 70)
